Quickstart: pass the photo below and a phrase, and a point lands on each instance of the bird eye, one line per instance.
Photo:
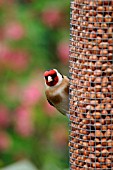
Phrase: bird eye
(54, 75)
(46, 77)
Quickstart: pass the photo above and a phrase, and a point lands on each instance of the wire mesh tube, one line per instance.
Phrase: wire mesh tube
(91, 85)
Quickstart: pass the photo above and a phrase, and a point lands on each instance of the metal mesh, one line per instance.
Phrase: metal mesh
(91, 85)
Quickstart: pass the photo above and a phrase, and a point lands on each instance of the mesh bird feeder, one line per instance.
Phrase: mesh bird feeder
(91, 85)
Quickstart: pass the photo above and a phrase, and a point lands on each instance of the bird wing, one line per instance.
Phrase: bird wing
(50, 102)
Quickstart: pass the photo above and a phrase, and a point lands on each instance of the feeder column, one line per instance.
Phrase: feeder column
(91, 85)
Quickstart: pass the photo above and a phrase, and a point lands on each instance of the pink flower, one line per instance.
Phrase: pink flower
(19, 60)
(32, 93)
(5, 141)
(49, 110)
(14, 30)
(63, 52)
(23, 121)
(4, 116)
(51, 17)
(16, 60)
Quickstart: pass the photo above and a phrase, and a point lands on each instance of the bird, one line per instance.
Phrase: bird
(57, 90)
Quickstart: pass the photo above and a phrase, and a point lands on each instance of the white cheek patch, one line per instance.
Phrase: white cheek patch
(50, 79)
(59, 78)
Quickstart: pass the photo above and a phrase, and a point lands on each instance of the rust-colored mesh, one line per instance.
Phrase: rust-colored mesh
(91, 85)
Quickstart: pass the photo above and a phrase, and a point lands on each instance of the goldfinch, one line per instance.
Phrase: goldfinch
(57, 90)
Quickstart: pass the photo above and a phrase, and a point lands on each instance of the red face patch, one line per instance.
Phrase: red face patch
(54, 76)
(49, 73)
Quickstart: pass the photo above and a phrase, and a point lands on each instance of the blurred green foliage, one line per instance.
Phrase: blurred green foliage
(34, 36)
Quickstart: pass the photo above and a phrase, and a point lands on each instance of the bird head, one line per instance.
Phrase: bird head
(52, 77)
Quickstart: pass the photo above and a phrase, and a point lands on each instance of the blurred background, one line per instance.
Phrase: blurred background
(34, 36)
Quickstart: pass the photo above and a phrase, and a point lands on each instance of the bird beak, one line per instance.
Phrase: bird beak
(50, 79)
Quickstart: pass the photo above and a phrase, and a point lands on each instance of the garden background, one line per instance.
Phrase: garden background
(34, 36)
